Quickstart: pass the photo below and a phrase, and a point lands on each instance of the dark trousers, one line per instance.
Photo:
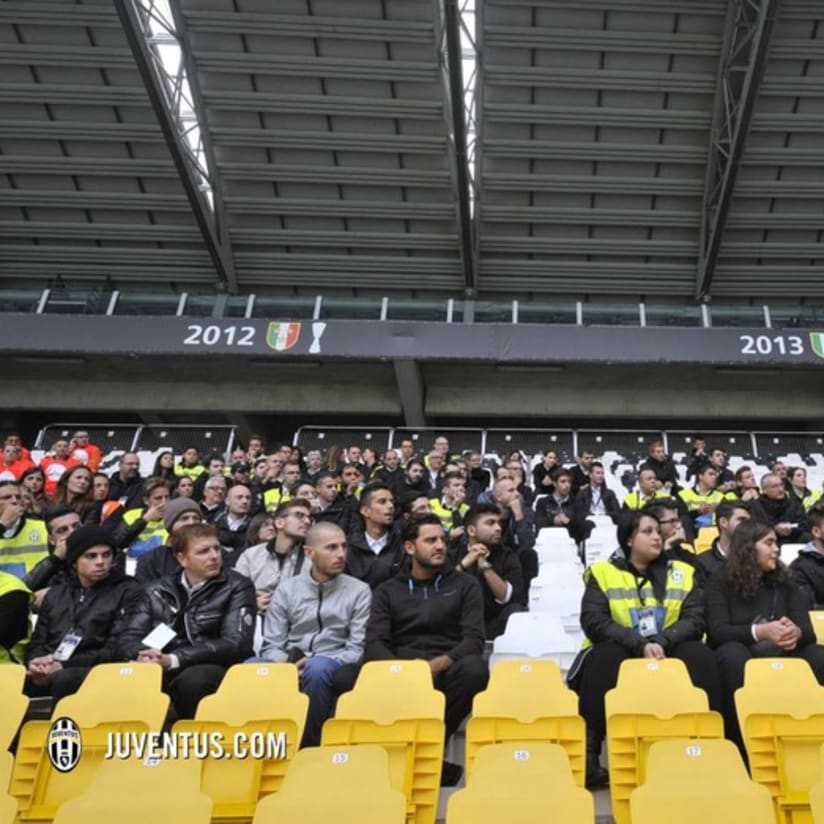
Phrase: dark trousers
(460, 684)
(186, 687)
(600, 674)
(65, 682)
(732, 659)
(529, 564)
(496, 624)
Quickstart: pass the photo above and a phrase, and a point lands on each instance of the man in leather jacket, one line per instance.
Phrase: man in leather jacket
(201, 620)
(85, 620)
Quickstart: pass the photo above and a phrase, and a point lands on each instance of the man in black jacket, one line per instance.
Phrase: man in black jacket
(203, 617)
(728, 516)
(808, 568)
(496, 567)
(126, 485)
(85, 620)
(593, 499)
(161, 561)
(784, 512)
(333, 505)
(375, 552)
(233, 522)
(433, 613)
(61, 521)
(663, 466)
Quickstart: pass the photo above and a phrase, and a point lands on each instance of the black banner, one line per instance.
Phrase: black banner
(387, 340)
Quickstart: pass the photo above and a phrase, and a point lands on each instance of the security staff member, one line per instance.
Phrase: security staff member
(637, 604)
(24, 541)
(450, 507)
(702, 499)
(14, 619)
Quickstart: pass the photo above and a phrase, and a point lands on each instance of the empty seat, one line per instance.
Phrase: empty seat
(653, 700)
(536, 635)
(395, 705)
(696, 781)
(527, 701)
(13, 702)
(347, 785)
(124, 698)
(257, 702)
(525, 782)
(162, 791)
(817, 621)
(781, 713)
(703, 541)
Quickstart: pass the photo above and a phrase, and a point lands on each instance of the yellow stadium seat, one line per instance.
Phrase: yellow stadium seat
(653, 700)
(395, 705)
(697, 781)
(703, 541)
(13, 702)
(8, 805)
(123, 698)
(347, 785)
(528, 783)
(817, 796)
(817, 620)
(256, 702)
(781, 713)
(527, 701)
(161, 791)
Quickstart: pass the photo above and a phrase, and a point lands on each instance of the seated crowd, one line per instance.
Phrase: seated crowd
(354, 557)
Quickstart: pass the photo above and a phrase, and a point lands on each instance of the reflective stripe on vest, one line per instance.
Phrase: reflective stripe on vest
(635, 501)
(621, 590)
(447, 516)
(153, 535)
(17, 654)
(19, 555)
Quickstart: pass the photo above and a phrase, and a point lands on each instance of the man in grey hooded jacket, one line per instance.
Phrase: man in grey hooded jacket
(317, 620)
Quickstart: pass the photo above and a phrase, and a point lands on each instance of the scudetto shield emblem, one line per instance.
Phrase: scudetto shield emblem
(64, 744)
(282, 336)
(817, 343)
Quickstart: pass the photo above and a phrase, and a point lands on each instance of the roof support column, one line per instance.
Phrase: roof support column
(743, 60)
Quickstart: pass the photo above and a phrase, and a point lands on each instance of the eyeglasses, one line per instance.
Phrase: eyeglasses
(301, 516)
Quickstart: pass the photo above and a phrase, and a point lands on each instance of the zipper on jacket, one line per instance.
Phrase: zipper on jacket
(319, 616)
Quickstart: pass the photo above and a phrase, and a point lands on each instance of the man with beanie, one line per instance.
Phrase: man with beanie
(85, 620)
(195, 623)
(161, 561)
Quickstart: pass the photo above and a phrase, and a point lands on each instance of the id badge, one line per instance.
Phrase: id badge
(67, 647)
(647, 625)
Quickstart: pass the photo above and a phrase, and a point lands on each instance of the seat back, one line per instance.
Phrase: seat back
(348, 785)
(13, 702)
(116, 692)
(781, 713)
(395, 705)
(652, 700)
(527, 701)
(114, 698)
(817, 621)
(817, 795)
(703, 541)
(689, 781)
(258, 705)
(530, 783)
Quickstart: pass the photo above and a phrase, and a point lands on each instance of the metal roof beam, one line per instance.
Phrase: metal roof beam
(452, 58)
(747, 35)
(411, 392)
(210, 217)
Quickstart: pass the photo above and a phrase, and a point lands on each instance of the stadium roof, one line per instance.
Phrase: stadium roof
(623, 147)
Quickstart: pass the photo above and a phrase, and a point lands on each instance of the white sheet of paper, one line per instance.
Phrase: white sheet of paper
(159, 637)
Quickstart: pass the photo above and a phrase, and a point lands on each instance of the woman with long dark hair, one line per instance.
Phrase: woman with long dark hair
(165, 466)
(74, 489)
(754, 609)
(34, 481)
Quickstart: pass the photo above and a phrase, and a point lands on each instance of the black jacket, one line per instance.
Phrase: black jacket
(338, 513)
(14, 617)
(130, 493)
(102, 615)
(807, 571)
(730, 617)
(788, 510)
(155, 564)
(597, 623)
(548, 507)
(373, 569)
(505, 562)
(48, 572)
(214, 625)
(425, 619)
(579, 527)
(711, 561)
(234, 542)
(665, 471)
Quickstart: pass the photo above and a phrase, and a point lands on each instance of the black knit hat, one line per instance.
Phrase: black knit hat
(85, 538)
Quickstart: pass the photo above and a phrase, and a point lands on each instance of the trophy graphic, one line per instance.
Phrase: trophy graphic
(317, 330)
